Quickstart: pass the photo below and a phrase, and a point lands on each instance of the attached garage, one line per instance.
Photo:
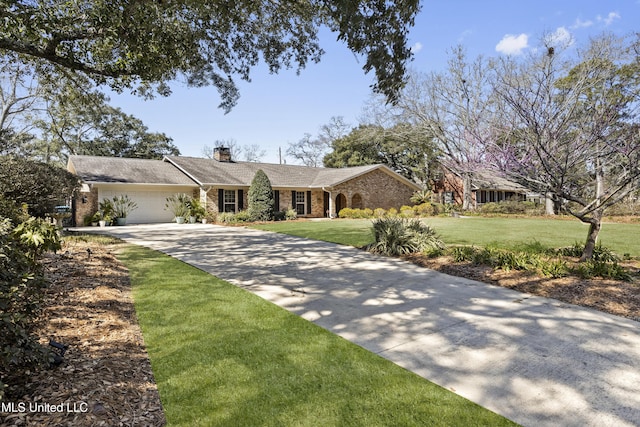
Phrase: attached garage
(150, 200)
(146, 182)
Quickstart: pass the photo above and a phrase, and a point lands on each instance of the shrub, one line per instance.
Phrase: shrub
(178, 204)
(407, 212)
(553, 268)
(291, 214)
(606, 270)
(425, 209)
(243, 216)
(345, 213)
(21, 292)
(226, 217)
(462, 253)
(106, 210)
(600, 253)
(509, 260)
(36, 236)
(355, 213)
(20, 177)
(400, 236)
(196, 209)
(123, 206)
(421, 196)
(379, 213)
(438, 208)
(512, 207)
(260, 198)
(279, 216)
(88, 219)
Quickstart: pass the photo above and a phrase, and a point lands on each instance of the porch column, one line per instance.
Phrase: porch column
(332, 208)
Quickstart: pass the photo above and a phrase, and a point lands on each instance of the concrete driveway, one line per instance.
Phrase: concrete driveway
(537, 361)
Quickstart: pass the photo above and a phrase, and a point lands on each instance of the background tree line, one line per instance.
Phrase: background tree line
(563, 122)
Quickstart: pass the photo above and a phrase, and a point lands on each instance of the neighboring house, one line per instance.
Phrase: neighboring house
(486, 187)
(222, 185)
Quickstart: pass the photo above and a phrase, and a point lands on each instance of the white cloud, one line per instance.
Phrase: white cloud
(608, 20)
(560, 37)
(581, 24)
(512, 44)
(417, 47)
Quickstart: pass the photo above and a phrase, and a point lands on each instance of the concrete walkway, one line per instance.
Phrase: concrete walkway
(537, 361)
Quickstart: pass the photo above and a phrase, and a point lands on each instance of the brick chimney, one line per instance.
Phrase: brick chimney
(222, 154)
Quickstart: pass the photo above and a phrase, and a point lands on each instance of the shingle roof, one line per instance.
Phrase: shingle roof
(93, 169)
(490, 181)
(178, 170)
(208, 172)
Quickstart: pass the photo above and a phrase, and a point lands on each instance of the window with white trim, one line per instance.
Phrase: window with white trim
(300, 202)
(229, 200)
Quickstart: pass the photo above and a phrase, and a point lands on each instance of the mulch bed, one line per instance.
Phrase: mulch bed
(105, 378)
(610, 296)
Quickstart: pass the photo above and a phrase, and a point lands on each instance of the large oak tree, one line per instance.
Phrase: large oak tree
(143, 45)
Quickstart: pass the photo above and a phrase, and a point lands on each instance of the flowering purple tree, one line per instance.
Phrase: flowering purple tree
(573, 126)
(456, 108)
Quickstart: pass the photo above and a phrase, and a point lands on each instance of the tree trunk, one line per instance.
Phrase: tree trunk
(549, 204)
(595, 223)
(467, 202)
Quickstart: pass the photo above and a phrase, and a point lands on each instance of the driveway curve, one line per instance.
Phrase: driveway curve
(537, 361)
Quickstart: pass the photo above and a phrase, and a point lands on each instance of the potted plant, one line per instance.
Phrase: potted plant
(96, 218)
(106, 220)
(122, 207)
(105, 208)
(196, 210)
(178, 204)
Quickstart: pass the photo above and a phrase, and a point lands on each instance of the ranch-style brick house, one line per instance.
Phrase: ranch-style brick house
(222, 185)
(486, 187)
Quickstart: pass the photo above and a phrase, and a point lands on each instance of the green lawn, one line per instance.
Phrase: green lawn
(224, 357)
(479, 231)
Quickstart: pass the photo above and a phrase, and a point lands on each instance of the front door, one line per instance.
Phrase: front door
(341, 202)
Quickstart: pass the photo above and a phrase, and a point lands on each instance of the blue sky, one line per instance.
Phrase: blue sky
(276, 110)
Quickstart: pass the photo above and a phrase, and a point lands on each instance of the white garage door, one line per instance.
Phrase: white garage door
(150, 204)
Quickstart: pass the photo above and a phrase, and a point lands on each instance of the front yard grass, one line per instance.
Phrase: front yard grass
(223, 356)
(479, 231)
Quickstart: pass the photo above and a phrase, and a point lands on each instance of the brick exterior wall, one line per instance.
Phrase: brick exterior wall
(85, 204)
(376, 189)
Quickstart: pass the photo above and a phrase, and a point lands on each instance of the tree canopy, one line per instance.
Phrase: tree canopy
(38, 185)
(144, 45)
(404, 148)
(49, 117)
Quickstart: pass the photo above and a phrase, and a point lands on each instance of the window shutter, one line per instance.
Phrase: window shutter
(293, 200)
(240, 200)
(276, 200)
(220, 200)
(308, 203)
